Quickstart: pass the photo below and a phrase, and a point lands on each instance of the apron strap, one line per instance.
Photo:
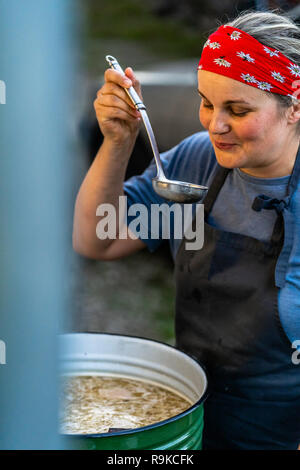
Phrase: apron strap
(265, 202)
(279, 237)
(216, 185)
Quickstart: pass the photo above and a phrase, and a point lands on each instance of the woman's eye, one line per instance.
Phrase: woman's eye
(240, 114)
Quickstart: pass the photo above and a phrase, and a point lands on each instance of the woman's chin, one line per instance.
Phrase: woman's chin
(229, 160)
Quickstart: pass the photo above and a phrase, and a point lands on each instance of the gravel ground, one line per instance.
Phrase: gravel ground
(134, 296)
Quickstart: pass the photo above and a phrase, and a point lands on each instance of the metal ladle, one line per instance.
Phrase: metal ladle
(178, 191)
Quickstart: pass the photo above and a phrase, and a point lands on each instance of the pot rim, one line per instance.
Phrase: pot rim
(150, 426)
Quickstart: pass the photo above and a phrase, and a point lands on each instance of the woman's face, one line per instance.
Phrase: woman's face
(252, 123)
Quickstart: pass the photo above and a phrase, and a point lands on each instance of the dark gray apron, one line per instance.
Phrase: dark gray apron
(227, 318)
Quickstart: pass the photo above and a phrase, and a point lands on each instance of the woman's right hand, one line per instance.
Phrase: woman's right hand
(118, 119)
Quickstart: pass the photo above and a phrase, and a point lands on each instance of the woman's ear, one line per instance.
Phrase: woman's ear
(293, 115)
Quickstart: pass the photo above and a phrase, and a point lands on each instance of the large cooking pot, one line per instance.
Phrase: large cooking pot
(144, 359)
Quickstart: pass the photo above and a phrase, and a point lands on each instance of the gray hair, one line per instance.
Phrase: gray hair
(277, 31)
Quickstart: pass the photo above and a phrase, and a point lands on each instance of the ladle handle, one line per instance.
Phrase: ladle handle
(114, 64)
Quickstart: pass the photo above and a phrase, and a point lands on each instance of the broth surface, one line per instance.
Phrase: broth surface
(94, 404)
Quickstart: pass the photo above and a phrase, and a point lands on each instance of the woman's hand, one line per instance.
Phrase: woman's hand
(118, 119)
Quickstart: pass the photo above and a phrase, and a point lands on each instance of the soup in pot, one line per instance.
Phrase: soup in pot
(100, 404)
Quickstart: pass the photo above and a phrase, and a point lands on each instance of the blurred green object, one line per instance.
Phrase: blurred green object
(133, 20)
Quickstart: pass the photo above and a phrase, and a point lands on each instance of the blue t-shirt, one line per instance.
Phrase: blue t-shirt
(194, 160)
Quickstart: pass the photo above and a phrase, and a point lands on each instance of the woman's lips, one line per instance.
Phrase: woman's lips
(224, 146)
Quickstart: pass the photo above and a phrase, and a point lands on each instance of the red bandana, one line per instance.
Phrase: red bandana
(233, 53)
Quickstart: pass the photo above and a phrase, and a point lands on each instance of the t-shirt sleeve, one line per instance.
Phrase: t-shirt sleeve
(289, 295)
(192, 160)
(140, 196)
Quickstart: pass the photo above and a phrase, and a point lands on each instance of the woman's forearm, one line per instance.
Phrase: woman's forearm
(102, 184)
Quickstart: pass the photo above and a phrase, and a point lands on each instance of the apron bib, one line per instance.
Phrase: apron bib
(227, 318)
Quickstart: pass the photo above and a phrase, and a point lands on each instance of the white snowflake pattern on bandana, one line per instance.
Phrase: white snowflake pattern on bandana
(206, 44)
(271, 53)
(245, 56)
(223, 62)
(294, 69)
(248, 78)
(277, 76)
(214, 45)
(235, 35)
(264, 86)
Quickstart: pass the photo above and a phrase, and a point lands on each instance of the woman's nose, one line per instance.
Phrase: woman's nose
(219, 122)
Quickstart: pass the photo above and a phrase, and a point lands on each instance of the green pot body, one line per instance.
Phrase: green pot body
(139, 358)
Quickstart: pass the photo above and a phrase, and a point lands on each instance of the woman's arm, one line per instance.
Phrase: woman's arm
(119, 123)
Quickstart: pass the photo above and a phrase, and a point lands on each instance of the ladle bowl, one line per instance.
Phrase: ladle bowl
(179, 191)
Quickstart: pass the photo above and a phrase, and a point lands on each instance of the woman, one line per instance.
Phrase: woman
(237, 299)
